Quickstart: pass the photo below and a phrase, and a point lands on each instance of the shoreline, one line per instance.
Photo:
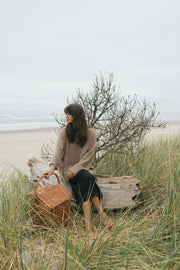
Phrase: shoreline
(29, 130)
(169, 122)
(18, 146)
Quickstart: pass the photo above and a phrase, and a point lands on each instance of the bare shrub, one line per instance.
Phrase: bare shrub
(120, 123)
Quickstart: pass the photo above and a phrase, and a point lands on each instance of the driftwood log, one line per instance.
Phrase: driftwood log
(118, 192)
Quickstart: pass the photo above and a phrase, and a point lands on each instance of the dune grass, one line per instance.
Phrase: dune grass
(144, 237)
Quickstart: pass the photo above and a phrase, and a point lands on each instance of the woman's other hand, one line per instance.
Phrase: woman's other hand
(70, 174)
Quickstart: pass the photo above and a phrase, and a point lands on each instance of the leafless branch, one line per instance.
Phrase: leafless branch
(120, 123)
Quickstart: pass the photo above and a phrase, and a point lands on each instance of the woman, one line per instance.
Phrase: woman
(74, 157)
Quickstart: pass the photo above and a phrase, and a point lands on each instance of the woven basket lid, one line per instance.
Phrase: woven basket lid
(53, 195)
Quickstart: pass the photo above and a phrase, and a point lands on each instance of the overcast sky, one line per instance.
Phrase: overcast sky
(50, 48)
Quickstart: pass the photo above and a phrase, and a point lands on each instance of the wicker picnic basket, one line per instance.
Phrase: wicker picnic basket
(50, 204)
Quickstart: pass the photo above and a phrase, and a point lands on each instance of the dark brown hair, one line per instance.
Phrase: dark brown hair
(77, 130)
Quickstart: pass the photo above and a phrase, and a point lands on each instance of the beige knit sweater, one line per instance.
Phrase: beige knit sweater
(72, 157)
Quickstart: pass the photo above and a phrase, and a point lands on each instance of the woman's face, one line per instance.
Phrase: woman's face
(69, 118)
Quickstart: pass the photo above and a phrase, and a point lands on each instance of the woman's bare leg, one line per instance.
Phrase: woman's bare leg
(104, 218)
(86, 206)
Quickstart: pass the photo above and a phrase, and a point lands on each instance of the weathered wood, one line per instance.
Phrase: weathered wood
(118, 192)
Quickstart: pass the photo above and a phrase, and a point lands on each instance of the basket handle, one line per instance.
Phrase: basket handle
(35, 188)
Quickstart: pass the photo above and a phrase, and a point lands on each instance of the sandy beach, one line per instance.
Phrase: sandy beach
(172, 128)
(16, 147)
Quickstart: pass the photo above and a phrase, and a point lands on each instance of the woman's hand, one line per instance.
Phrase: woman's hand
(46, 174)
(70, 174)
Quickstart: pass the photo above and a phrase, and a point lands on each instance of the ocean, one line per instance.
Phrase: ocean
(15, 122)
(10, 122)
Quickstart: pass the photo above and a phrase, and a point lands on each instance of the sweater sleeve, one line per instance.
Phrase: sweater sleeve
(56, 162)
(87, 159)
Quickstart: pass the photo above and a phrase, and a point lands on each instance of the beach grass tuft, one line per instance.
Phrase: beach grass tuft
(144, 237)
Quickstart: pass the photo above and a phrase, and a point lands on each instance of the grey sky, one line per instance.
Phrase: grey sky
(49, 48)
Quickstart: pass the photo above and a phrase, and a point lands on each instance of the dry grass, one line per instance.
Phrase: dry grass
(146, 237)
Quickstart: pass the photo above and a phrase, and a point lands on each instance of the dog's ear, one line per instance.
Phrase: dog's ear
(29, 162)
